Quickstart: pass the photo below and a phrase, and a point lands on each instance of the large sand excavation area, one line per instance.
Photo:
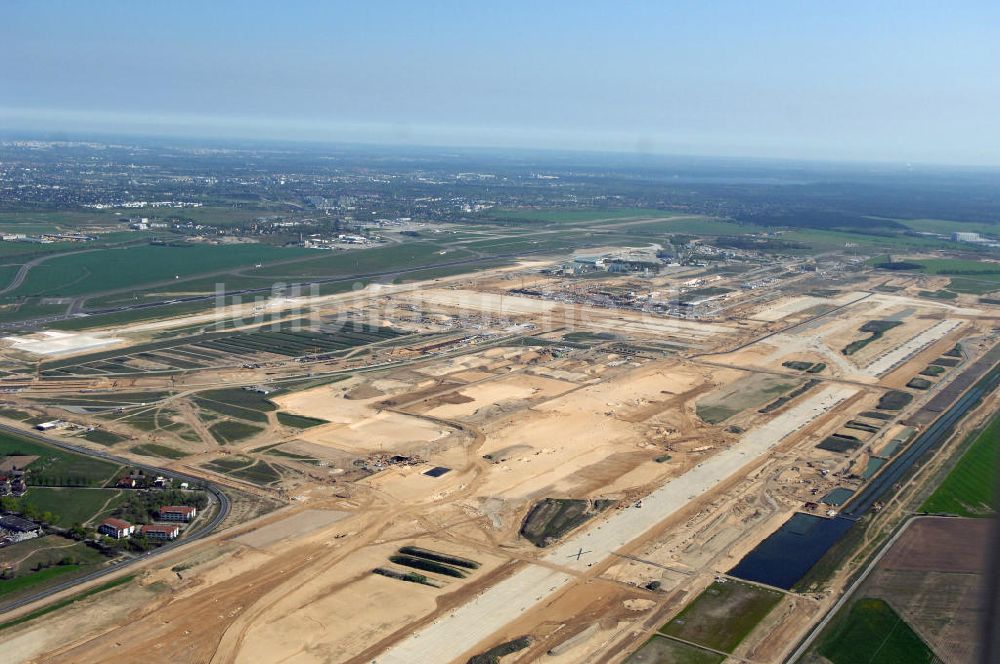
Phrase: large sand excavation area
(505, 391)
(448, 638)
(383, 431)
(794, 305)
(51, 343)
(682, 442)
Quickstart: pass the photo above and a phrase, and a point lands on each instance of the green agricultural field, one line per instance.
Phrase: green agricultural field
(301, 458)
(825, 240)
(145, 420)
(300, 384)
(241, 404)
(153, 449)
(723, 615)
(977, 285)
(35, 581)
(133, 316)
(43, 561)
(102, 437)
(690, 225)
(109, 269)
(13, 252)
(958, 266)
(873, 633)
(310, 264)
(70, 505)
(230, 431)
(241, 398)
(216, 215)
(938, 294)
(161, 419)
(660, 650)
(30, 221)
(968, 276)
(450, 271)
(214, 348)
(363, 261)
(970, 488)
(22, 252)
(29, 308)
(245, 468)
(584, 336)
(231, 411)
(945, 226)
(259, 473)
(56, 467)
(7, 273)
(571, 215)
(299, 421)
(230, 463)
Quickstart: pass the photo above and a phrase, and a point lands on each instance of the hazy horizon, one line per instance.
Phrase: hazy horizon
(898, 83)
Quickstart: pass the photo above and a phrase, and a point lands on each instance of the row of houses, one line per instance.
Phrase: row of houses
(120, 529)
(143, 482)
(46, 238)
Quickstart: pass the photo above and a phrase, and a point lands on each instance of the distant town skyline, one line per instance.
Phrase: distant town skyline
(889, 81)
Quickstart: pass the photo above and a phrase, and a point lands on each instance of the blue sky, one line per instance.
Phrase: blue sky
(901, 81)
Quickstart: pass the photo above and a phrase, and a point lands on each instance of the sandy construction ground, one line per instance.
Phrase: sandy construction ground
(794, 305)
(477, 364)
(890, 360)
(824, 339)
(343, 610)
(572, 316)
(613, 417)
(547, 447)
(296, 526)
(327, 402)
(466, 300)
(54, 342)
(627, 525)
(905, 301)
(450, 636)
(383, 431)
(623, 322)
(519, 388)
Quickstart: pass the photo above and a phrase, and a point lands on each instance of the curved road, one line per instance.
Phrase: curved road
(22, 273)
(203, 531)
